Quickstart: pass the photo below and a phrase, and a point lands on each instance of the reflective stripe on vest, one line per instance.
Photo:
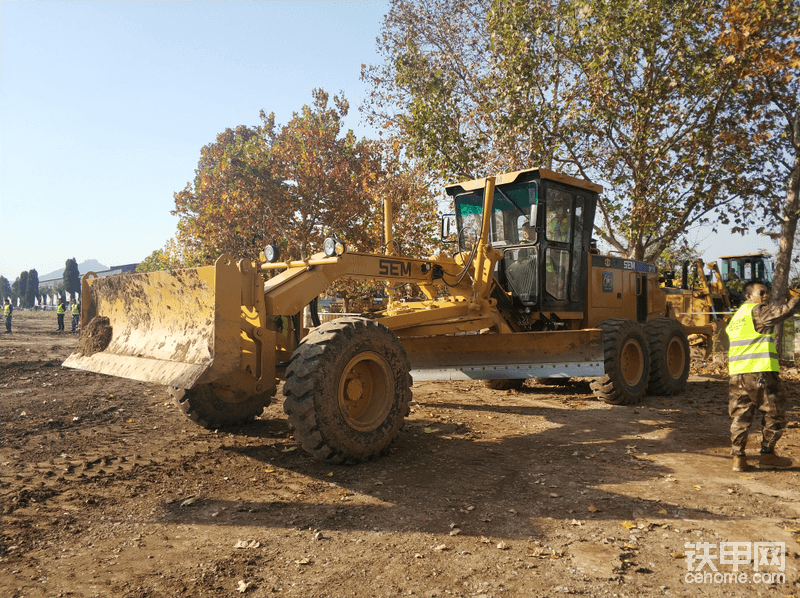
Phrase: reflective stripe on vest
(750, 351)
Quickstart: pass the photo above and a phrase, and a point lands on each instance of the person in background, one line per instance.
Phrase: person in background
(8, 309)
(76, 315)
(60, 311)
(755, 382)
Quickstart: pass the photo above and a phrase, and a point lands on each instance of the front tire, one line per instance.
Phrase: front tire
(347, 390)
(208, 407)
(669, 356)
(627, 363)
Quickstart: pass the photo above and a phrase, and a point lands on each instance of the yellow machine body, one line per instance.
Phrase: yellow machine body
(222, 339)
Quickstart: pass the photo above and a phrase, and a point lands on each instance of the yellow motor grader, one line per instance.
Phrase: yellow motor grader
(524, 294)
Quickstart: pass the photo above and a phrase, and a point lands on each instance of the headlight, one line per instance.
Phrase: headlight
(272, 253)
(333, 246)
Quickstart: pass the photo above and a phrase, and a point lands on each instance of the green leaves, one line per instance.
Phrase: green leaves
(632, 95)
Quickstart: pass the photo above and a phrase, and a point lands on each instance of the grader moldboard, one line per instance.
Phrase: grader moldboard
(525, 295)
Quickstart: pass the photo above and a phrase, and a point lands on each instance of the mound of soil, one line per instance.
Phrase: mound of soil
(95, 336)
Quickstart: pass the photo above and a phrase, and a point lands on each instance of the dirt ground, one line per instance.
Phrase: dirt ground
(109, 490)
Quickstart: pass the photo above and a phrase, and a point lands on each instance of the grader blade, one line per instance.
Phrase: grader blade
(563, 354)
(176, 328)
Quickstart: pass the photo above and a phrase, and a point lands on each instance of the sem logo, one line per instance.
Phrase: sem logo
(394, 268)
(608, 282)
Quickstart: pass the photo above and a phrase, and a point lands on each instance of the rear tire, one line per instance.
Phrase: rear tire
(669, 356)
(505, 384)
(347, 390)
(627, 363)
(206, 406)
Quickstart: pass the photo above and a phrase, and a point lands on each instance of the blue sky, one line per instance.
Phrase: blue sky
(106, 105)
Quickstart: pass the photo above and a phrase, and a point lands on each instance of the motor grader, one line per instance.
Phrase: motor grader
(523, 294)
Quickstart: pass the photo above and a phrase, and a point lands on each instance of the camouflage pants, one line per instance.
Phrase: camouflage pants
(745, 399)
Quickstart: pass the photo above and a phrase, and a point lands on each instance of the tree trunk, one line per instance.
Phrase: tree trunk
(791, 211)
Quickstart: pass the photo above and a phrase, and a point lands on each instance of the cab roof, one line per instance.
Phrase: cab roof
(743, 255)
(529, 174)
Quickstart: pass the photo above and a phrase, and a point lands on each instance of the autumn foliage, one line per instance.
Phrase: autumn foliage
(296, 184)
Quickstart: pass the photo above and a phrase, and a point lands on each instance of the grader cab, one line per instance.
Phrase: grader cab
(523, 295)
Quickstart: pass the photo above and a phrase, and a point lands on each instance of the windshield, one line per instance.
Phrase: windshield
(510, 215)
(747, 268)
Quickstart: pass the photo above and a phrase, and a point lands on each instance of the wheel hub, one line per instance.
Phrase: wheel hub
(355, 390)
(676, 358)
(632, 362)
(366, 391)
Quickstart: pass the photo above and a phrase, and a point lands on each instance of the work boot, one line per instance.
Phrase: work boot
(773, 461)
(739, 463)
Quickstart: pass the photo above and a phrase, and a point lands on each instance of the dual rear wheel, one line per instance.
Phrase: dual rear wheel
(639, 359)
(650, 359)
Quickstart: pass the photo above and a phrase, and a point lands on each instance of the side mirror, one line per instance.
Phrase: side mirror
(534, 213)
(449, 228)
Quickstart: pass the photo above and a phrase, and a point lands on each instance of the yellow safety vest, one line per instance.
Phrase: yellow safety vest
(559, 228)
(750, 351)
(61, 309)
(75, 310)
(7, 309)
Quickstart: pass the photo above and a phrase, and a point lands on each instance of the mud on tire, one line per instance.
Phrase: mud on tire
(669, 356)
(627, 363)
(206, 407)
(347, 390)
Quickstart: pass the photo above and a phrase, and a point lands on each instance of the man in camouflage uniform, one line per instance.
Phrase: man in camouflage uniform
(755, 382)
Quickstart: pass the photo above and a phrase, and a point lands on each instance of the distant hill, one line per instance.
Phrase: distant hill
(83, 268)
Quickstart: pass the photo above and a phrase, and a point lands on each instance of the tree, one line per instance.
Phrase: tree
(760, 39)
(72, 278)
(5, 289)
(430, 93)
(225, 209)
(625, 93)
(32, 288)
(296, 185)
(15, 295)
(168, 258)
(23, 289)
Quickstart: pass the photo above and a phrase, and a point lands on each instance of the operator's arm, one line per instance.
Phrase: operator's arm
(766, 316)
